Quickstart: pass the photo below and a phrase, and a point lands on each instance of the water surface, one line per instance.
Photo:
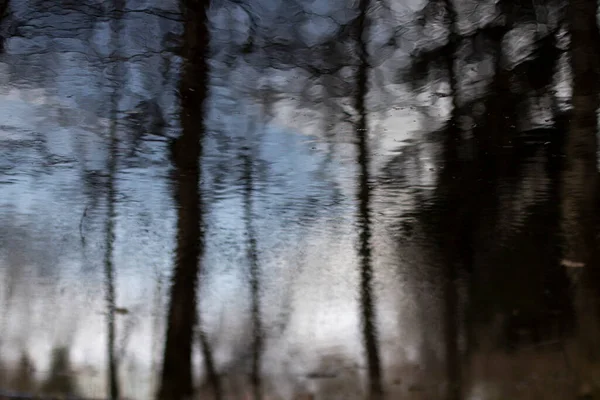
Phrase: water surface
(395, 199)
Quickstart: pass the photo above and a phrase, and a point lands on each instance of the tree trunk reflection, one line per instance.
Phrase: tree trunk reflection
(252, 255)
(116, 76)
(176, 381)
(456, 226)
(368, 302)
(580, 193)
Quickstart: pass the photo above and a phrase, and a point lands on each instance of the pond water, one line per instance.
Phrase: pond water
(396, 200)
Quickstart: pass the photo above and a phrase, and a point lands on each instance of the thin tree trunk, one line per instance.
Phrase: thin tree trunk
(364, 195)
(157, 328)
(456, 225)
(580, 193)
(109, 271)
(255, 374)
(494, 141)
(211, 372)
(176, 380)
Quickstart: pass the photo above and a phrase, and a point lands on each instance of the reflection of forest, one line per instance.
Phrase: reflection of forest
(61, 379)
(369, 221)
(529, 374)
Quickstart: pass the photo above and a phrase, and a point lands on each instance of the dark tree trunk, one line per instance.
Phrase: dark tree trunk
(499, 127)
(367, 298)
(176, 381)
(580, 193)
(455, 225)
(255, 373)
(109, 273)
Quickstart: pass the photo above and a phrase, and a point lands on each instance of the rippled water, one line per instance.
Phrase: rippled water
(393, 201)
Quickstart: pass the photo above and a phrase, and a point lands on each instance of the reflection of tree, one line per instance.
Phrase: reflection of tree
(176, 381)
(449, 220)
(479, 164)
(513, 284)
(111, 194)
(364, 196)
(455, 245)
(252, 254)
(580, 192)
(60, 380)
(23, 379)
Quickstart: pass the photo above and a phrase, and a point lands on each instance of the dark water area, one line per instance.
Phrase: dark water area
(290, 199)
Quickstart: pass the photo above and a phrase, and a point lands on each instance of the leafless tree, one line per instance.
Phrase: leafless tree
(364, 196)
(176, 381)
(252, 255)
(111, 200)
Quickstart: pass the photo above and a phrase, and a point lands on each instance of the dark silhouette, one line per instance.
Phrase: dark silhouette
(516, 285)
(450, 220)
(367, 298)
(476, 162)
(455, 226)
(3, 16)
(111, 200)
(176, 381)
(61, 380)
(252, 255)
(580, 193)
(23, 378)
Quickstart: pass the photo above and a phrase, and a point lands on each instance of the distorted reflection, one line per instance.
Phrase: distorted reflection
(286, 199)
